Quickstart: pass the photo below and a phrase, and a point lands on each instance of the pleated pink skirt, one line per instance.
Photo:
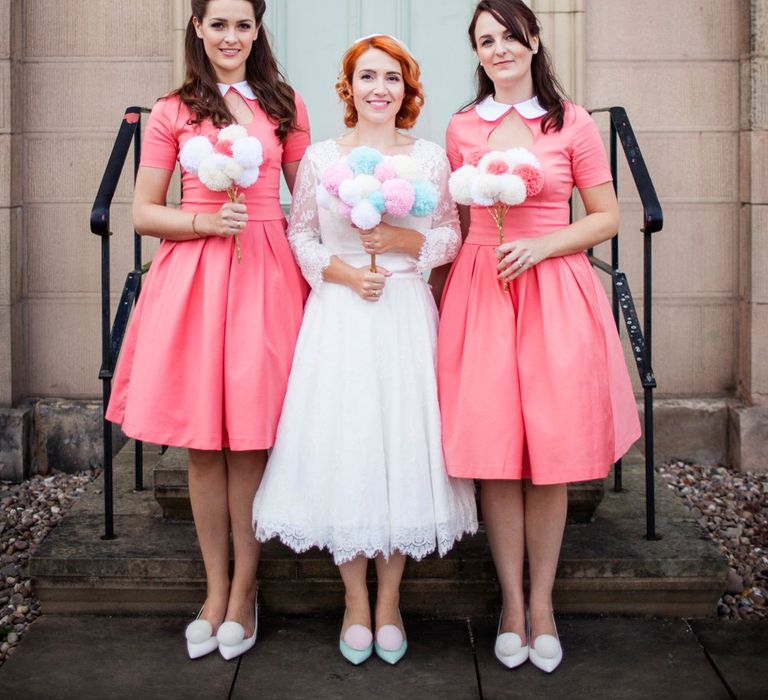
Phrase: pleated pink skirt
(532, 382)
(206, 358)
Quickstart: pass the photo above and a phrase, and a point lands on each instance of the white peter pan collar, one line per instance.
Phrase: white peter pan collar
(242, 87)
(490, 110)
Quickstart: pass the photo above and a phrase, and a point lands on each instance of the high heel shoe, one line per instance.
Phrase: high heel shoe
(355, 643)
(509, 648)
(391, 644)
(200, 637)
(546, 652)
(232, 639)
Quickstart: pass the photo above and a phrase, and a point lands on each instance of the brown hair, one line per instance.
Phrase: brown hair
(523, 25)
(200, 93)
(414, 95)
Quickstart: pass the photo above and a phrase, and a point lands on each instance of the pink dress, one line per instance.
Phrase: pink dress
(206, 358)
(532, 382)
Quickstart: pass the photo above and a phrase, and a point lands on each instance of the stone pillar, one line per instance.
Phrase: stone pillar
(14, 422)
(749, 422)
(564, 34)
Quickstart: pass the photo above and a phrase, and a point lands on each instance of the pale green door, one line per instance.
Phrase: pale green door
(310, 37)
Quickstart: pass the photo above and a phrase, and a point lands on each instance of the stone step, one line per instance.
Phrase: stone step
(171, 490)
(154, 566)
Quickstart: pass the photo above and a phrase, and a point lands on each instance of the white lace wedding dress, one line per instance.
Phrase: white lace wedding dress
(357, 466)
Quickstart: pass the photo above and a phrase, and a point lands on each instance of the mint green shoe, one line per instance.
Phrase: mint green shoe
(391, 644)
(356, 643)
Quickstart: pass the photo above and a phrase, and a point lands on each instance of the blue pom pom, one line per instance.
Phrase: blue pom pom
(377, 199)
(426, 198)
(363, 160)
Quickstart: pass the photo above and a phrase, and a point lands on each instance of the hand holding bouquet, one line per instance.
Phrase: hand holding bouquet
(226, 160)
(497, 180)
(365, 185)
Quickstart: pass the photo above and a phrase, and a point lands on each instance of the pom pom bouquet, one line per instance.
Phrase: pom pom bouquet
(497, 180)
(226, 160)
(365, 185)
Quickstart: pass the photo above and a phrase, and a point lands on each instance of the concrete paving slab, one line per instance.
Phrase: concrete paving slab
(89, 658)
(739, 651)
(616, 658)
(299, 658)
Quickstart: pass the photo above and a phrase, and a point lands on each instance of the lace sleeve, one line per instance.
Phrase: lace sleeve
(443, 240)
(304, 225)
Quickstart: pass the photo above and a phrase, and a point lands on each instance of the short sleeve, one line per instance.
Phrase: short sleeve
(589, 161)
(452, 147)
(297, 141)
(159, 145)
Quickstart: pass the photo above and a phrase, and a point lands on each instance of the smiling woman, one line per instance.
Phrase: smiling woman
(206, 358)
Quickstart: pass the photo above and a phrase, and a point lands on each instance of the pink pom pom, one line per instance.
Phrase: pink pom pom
(473, 157)
(345, 211)
(399, 197)
(223, 147)
(334, 175)
(497, 167)
(384, 171)
(532, 178)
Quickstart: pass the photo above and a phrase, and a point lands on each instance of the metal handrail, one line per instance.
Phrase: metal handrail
(641, 341)
(129, 134)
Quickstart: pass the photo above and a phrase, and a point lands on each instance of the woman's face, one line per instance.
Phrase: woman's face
(228, 31)
(378, 88)
(504, 59)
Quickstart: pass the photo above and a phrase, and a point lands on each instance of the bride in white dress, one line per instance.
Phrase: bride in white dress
(357, 467)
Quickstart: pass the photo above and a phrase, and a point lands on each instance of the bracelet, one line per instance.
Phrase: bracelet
(194, 230)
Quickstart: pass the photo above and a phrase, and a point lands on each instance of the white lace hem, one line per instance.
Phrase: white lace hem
(347, 544)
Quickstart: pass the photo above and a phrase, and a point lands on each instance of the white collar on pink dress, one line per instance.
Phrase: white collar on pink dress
(490, 110)
(242, 87)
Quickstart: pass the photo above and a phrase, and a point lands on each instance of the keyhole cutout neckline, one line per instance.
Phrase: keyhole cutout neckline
(234, 96)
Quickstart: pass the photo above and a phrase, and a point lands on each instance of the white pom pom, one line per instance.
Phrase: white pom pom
(350, 192)
(365, 216)
(482, 165)
(193, 152)
(485, 189)
(233, 170)
(511, 190)
(368, 184)
(323, 197)
(212, 175)
(460, 182)
(520, 156)
(233, 132)
(248, 152)
(406, 168)
(248, 177)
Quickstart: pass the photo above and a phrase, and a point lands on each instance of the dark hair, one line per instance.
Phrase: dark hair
(199, 91)
(523, 25)
(414, 95)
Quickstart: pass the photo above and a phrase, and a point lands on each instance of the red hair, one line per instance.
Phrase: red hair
(414, 96)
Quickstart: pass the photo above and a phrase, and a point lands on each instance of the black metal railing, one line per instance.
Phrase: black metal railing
(640, 338)
(128, 135)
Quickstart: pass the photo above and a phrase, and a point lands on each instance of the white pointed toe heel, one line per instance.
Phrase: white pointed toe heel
(546, 652)
(509, 648)
(232, 639)
(200, 638)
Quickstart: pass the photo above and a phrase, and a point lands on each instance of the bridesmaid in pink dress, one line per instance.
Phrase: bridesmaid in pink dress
(534, 390)
(206, 359)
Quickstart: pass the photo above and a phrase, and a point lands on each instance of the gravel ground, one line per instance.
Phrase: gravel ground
(733, 508)
(28, 511)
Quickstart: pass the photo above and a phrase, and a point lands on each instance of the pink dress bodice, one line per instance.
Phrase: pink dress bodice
(169, 129)
(571, 157)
